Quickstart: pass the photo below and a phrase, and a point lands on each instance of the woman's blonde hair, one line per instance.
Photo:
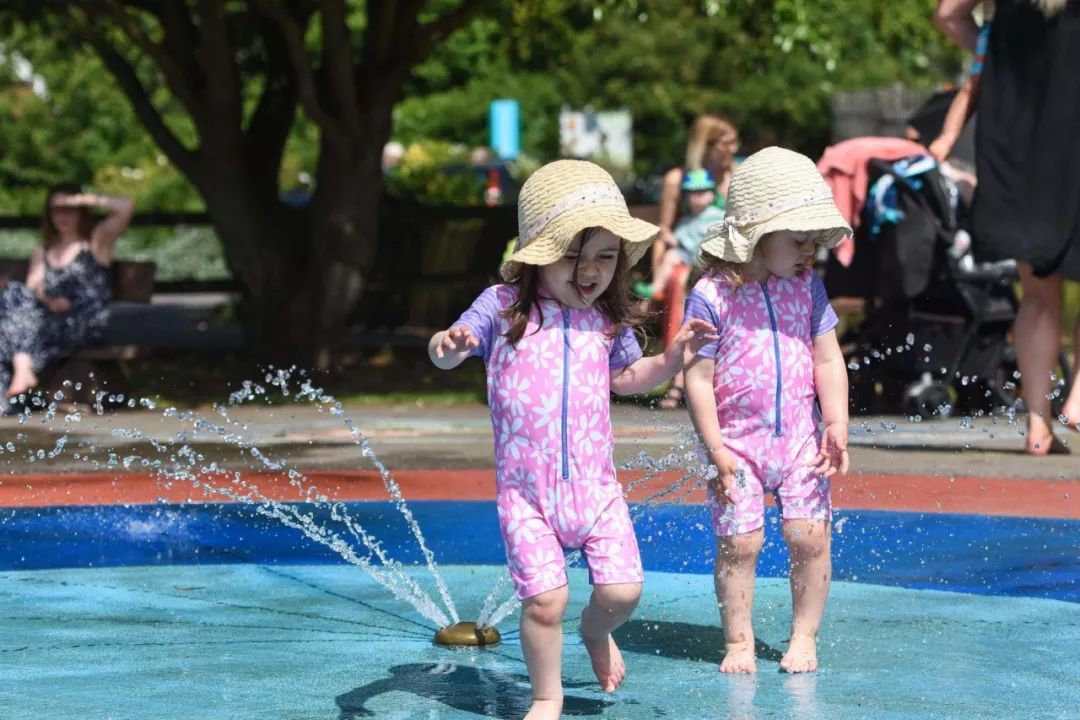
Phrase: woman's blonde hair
(706, 132)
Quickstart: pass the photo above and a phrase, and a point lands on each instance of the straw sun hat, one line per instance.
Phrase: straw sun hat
(774, 189)
(560, 200)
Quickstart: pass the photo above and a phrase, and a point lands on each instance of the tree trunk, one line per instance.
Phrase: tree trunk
(301, 271)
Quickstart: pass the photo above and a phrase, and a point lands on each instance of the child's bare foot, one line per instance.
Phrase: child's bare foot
(607, 662)
(544, 710)
(1070, 416)
(801, 656)
(1046, 445)
(21, 382)
(739, 658)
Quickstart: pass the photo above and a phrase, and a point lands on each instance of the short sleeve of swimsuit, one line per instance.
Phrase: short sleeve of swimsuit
(698, 306)
(625, 350)
(482, 319)
(822, 316)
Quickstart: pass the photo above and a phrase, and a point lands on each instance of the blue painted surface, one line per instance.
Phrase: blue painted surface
(963, 553)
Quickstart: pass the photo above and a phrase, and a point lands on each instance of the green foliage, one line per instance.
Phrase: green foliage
(80, 129)
(152, 181)
(181, 253)
(436, 173)
(770, 66)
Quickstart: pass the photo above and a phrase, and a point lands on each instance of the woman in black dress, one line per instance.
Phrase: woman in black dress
(63, 305)
(1027, 203)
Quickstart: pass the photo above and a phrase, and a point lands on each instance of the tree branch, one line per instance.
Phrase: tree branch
(384, 30)
(183, 158)
(337, 61)
(301, 64)
(275, 113)
(222, 78)
(178, 83)
(425, 37)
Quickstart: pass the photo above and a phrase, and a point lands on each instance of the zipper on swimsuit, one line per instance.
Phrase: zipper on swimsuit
(779, 429)
(565, 392)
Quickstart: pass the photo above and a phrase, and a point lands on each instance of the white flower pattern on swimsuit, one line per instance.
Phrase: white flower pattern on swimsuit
(543, 506)
(758, 367)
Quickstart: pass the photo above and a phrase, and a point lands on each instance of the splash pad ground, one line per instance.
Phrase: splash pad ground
(957, 595)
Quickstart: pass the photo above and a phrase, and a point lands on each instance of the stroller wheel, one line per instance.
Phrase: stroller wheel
(929, 399)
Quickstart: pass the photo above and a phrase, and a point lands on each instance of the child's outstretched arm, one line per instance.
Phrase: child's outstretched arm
(449, 348)
(831, 382)
(648, 372)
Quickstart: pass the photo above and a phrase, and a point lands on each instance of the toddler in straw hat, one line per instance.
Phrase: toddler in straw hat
(556, 338)
(752, 394)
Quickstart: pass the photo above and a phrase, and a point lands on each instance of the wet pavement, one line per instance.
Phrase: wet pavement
(419, 437)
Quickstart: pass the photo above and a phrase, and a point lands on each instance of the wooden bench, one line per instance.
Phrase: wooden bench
(94, 366)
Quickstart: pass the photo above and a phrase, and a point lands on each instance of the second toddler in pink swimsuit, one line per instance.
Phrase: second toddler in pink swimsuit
(753, 394)
(556, 339)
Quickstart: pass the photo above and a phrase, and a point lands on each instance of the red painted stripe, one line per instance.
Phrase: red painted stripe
(917, 493)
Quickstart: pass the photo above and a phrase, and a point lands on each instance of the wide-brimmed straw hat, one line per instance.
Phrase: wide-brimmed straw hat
(774, 189)
(560, 200)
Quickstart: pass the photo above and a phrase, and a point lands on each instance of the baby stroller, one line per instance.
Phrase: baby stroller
(935, 331)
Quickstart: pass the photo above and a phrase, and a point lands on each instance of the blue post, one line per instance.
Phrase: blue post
(505, 128)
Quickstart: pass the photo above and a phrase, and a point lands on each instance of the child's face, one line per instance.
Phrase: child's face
(787, 253)
(698, 200)
(595, 265)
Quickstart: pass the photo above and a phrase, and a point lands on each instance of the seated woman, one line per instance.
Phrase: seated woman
(711, 145)
(64, 303)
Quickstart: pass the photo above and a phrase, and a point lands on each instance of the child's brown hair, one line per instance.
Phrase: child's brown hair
(616, 303)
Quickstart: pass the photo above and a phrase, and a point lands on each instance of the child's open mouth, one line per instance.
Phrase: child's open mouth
(588, 288)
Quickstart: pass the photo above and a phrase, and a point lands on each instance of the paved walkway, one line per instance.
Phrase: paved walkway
(410, 437)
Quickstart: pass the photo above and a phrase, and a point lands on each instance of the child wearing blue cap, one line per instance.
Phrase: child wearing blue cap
(699, 194)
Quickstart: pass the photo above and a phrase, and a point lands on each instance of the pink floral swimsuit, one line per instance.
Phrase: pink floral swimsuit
(550, 410)
(764, 389)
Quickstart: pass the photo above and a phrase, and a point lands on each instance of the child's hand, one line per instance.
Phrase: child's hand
(692, 336)
(833, 456)
(727, 471)
(457, 340)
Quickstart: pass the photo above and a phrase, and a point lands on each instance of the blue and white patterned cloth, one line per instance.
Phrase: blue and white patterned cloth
(27, 325)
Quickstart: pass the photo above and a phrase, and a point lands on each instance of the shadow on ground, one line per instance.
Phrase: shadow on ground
(682, 641)
(481, 691)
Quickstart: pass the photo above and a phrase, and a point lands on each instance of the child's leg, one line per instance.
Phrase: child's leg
(808, 543)
(609, 607)
(736, 566)
(541, 644)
